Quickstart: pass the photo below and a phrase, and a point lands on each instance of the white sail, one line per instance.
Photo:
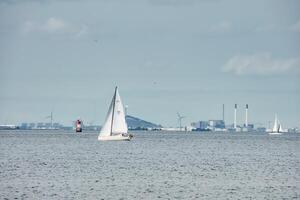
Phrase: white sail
(115, 122)
(106, 127)
(280, 129)
(275, 127)
(119, 122)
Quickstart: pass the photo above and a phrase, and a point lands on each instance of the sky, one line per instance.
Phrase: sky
(166, 56)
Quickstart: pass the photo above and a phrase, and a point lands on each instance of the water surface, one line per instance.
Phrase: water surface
(154, 165)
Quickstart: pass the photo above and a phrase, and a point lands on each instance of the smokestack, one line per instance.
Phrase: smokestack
(234, 123)
(126, 110)
(246, 118)
(223, 113)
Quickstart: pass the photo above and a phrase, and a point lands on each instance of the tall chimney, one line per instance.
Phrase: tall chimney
(126, 110)
(223, 113)
(234, 123)
(246, 118)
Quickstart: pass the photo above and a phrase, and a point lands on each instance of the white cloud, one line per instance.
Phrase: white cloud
(223, 26)
(261, 64)
(53, 26)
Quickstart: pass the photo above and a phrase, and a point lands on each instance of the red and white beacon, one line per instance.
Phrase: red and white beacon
(78, 126)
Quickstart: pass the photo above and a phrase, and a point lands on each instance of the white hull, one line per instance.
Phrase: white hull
(119, 137)
(275, 133)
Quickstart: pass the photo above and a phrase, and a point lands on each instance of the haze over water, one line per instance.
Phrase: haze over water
(154, 165)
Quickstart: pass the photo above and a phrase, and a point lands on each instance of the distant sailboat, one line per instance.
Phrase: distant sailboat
(115, 127)
(277, 128)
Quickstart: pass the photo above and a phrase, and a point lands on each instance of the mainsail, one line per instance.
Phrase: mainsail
(115, 119)
(119, 123)
(280, 129)
(275, 127)
(106, 127)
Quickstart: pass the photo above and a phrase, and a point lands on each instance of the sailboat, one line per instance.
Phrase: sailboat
(277, 128)
(115, 127)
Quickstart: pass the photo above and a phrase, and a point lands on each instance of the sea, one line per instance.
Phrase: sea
(154, 165)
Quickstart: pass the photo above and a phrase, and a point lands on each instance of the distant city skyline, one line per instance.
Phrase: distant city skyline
(166, 56)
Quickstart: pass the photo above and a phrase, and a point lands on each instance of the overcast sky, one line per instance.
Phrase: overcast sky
(166, 56)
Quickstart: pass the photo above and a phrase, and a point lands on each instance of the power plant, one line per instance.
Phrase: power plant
(246, 126)
(219, 125)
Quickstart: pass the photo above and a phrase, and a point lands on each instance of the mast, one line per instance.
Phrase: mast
(223, 117)
(113, 111)
(246, 117)
(51, 119)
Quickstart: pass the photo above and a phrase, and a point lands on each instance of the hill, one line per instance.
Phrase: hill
(136, 123)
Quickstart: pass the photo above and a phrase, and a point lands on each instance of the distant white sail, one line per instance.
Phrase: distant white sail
(276, 125)
(115, 122)
(280, 129)
(277, 128)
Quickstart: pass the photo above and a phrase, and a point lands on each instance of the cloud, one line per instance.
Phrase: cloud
(51, 25)
(222, 27)
(54, 26)
(261, 64)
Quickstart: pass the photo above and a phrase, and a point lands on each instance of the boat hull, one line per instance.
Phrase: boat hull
(275, 133)
(119, 137)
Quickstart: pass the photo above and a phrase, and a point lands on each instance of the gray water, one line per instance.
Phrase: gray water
(154, 165)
